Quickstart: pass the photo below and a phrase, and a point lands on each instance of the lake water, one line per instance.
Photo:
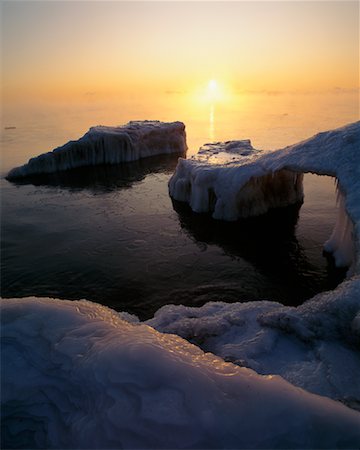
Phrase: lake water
(113, 235)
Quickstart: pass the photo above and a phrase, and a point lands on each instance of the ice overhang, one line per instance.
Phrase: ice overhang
(232, 180)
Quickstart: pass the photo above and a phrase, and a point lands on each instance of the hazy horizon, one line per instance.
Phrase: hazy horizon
(272, 72)
(73, 50)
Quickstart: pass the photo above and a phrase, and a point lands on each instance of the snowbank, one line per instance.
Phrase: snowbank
(75, 375)
(232, 180)
(109, 145)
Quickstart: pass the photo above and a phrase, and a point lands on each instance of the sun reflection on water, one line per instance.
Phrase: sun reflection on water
(212, 123)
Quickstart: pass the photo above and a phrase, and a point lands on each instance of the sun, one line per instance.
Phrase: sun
(212, 85)
(213, 90)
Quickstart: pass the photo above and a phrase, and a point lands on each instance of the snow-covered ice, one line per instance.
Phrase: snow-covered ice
(232, 181)
(76, 375)
(109, 145)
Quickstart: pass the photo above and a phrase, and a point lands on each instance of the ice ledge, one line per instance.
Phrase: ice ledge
(95, 381)
(232, 180)
(314, 346)
(109, 145)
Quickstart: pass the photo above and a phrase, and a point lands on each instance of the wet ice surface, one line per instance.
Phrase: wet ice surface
(114, 236)
(314, 346)
(95, 381)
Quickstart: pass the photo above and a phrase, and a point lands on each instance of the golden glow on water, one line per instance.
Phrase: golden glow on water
(212, 123)
(270, 121)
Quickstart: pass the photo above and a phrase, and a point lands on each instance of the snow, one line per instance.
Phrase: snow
(76, 375)
(232, 180)
(109, 145)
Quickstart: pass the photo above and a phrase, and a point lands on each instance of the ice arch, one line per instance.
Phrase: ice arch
(233, 180)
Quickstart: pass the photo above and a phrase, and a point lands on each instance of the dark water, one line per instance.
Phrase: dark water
(113, 235)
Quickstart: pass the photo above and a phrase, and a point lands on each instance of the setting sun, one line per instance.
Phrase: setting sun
(212, 86)
(215, 91)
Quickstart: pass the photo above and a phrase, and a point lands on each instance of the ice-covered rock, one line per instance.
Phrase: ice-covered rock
(232, 181)
(109, 145)
(76, 375)
(225, 178)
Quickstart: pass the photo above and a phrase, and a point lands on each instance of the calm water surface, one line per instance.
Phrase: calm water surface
(114, 236)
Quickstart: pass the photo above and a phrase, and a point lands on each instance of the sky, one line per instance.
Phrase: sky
(77, 48)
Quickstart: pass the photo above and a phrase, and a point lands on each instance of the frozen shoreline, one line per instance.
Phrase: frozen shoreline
(79, 375)
(76, 375)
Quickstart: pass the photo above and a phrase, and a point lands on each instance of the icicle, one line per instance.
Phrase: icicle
(341, 242)
(338, 193)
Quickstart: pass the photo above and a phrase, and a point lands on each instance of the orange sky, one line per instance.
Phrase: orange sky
(75, 49)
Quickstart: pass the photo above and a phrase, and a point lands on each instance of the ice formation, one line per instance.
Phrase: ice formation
(314, 346)
(225, 179)
(232, 180)
(341, 241)
(76, 375)
(79, 375)
(109, 145)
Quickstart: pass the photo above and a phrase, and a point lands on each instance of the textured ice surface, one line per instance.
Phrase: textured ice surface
(109, 145)
(75, 375)
(315, 346)
(225, 179)
(232, 180)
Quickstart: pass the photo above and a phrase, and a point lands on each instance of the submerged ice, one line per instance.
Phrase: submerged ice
(109, 145)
